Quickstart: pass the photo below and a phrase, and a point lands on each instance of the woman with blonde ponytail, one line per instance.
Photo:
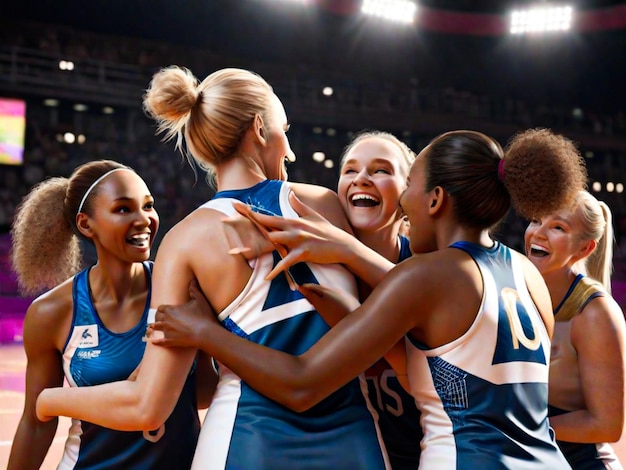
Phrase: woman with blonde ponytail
(234, 126)
(88, 327)
(573, 250)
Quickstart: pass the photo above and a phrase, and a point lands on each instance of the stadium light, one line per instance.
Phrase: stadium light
(401, 11)
(328, 163)
(597, 186)
(319, 157)
(541, 19)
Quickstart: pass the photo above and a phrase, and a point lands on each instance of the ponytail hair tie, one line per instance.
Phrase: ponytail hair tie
(501, 170)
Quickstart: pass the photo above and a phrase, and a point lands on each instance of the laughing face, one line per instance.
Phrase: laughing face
(124, 221)
(371, 181)
(555, 242)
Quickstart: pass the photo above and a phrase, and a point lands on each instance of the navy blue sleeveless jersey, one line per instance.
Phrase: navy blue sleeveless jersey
(398, 416)
(94, 355)
(484, 395)
(245, 430)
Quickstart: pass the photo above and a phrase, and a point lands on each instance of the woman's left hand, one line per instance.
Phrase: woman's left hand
(183, 325)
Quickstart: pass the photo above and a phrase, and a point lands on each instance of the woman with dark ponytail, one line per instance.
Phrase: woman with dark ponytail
(88, 328)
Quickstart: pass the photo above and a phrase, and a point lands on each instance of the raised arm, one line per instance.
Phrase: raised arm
(146, 402)
(43, 369)
(598, 335)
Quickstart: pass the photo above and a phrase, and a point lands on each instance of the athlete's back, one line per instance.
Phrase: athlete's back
(243, 429)
(484, 395)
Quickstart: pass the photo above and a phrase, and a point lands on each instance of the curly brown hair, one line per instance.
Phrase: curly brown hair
(539, 173)
(45, 248)
(543, 172)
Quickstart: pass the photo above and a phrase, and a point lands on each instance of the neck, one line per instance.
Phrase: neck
(239, 172)
(384, 241)
(558, 283)
(116, 281)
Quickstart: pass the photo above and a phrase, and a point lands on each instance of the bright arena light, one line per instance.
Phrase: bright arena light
(329, 163)
(596, 186)
(619, 188)
(610, 187)
(541, 19)
(327, 91)
(319, 157)
(401, 11)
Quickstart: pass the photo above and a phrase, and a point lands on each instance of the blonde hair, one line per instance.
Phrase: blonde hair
(597, 225)
(212, 116)
(45, 248)
(407, 153)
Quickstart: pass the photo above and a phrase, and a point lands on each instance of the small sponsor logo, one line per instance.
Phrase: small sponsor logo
(91, 354)
(87, 336)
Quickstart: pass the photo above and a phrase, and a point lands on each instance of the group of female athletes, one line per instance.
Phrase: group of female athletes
(317, 331)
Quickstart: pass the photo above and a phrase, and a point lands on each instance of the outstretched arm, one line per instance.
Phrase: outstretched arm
(346, 350)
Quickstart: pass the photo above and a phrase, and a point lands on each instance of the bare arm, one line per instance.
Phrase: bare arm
(300, 382)
(598, 335)
(43, 369)
(146, 402)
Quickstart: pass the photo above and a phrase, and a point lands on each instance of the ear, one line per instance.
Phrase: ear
(259, 129)
(436, 201)
(586, 249)
(82, 222)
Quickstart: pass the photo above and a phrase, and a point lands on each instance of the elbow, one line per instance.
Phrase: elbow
(143, 414)
(614, 433)
(301, 400)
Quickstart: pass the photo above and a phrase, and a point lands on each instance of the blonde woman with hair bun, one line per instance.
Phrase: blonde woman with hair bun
(88, 327)
(233, 125)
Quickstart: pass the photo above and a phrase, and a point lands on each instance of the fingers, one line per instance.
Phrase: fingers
(290, 259)
(310, 289)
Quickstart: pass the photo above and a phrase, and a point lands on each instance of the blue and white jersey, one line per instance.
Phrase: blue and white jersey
(94, 355)
(484, 396)
(245, 430)
(398, 415)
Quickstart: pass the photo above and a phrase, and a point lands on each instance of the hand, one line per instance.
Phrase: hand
(245, 238)
(183, 325)
(309, 238)
(332, 304)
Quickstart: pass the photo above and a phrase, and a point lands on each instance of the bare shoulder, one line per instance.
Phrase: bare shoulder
(201, 226)
(600, 311)
(323, 200)
(49, 315)
(437, 271)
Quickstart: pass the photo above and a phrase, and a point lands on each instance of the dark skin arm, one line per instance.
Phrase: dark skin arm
(44, 369)
(300, 382)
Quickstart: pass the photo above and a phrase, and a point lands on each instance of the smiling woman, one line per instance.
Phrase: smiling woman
(89, 327)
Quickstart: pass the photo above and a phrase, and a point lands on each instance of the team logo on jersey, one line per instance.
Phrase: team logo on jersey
(87, 336)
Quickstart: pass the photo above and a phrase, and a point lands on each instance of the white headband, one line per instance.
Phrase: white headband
(94, 184)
